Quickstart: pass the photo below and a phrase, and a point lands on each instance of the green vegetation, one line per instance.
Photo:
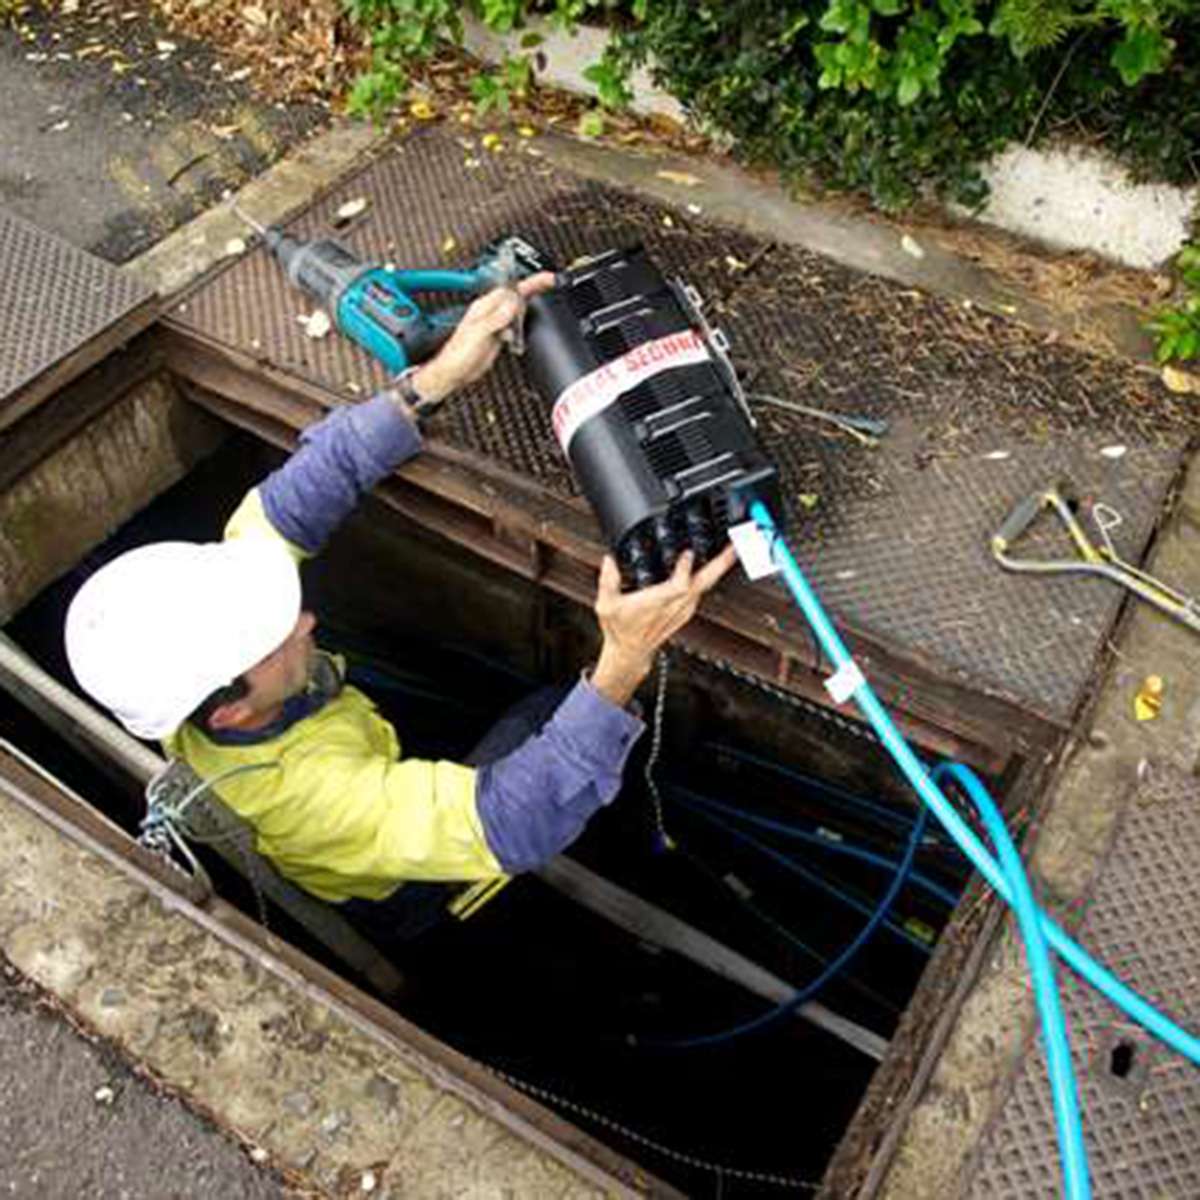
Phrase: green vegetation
(887, 96)
(894, 98)
(1176, 327)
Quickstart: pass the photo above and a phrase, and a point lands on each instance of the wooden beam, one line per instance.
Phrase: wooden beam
(659, 927)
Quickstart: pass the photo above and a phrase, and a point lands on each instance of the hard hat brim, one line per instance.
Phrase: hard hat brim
(152, 634)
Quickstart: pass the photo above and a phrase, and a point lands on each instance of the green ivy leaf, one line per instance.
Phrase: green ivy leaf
(909, 89)
(1141, 52)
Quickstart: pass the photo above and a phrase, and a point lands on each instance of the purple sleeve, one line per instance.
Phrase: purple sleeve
(339, 458)
(535, 801)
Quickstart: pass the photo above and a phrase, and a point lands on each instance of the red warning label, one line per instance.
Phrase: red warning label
(595, 392)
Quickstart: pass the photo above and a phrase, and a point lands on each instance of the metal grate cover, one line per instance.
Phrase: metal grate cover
(1141, 1102)
(54, 300)
(981, 410)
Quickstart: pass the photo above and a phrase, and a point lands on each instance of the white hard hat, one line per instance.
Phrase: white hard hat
(154, 632)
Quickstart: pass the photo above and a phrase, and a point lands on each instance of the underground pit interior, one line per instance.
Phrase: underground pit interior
(775, 830)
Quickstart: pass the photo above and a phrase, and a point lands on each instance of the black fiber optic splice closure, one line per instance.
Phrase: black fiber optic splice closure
(648, 411)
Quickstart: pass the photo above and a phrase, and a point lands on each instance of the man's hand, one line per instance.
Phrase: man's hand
(472, 348)
(636, 625)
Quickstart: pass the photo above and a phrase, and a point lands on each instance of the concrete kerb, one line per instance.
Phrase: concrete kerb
(243, 1036)
(874, 245)
(289, 185)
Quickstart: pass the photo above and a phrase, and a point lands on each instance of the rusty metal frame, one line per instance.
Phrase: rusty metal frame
(453, 1071)
(490, 510)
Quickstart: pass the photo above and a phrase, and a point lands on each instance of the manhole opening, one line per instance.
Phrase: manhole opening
(786, 831)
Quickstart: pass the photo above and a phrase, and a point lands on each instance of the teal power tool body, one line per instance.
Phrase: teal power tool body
(376, 306)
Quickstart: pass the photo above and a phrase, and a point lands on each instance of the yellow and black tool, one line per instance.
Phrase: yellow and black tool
(1093, 560)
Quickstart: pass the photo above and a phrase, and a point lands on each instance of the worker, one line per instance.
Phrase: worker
(207, 648)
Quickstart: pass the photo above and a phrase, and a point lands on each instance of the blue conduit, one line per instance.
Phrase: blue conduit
(790, 864)
(844, 848)
(1045, 987)
(914, 771)
(832, 968)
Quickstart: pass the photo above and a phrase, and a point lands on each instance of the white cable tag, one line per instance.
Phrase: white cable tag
(844, 682)
(753, 550)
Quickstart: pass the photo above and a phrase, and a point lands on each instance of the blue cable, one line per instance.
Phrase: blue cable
(880, 812)
(1144, 1013)
(810, 877)
(1187, 1044)
(1045, 988)
(832, 968)
(847, 849)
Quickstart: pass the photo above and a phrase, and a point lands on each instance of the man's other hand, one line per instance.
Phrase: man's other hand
(635, 625)
(475, 343)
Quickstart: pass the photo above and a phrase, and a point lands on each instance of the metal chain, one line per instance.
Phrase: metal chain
(791, 699)
(679, 1156)
(666, 842)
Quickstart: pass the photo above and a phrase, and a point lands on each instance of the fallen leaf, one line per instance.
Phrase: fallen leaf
(224, 132)
(165, 47)
(669, 221)
(351, 209)
(1113, 451)
(422, 110)
(910, 245)
(472, 164)
(527, 131)
(316, 324)
(234, 247)
(238, 75)
(1180, 382)
(492, 141)
(253, 15)
(682, 178)
(88, 51)
(735, 264)
(450, 244)
(808, 500)
(1147, 704)
(591, 124)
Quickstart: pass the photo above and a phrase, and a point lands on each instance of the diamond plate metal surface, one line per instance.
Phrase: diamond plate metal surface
(54, 299)
(981, 411)
(1141, 1103)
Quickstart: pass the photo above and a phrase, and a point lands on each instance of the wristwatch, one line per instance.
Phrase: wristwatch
(405, 386)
